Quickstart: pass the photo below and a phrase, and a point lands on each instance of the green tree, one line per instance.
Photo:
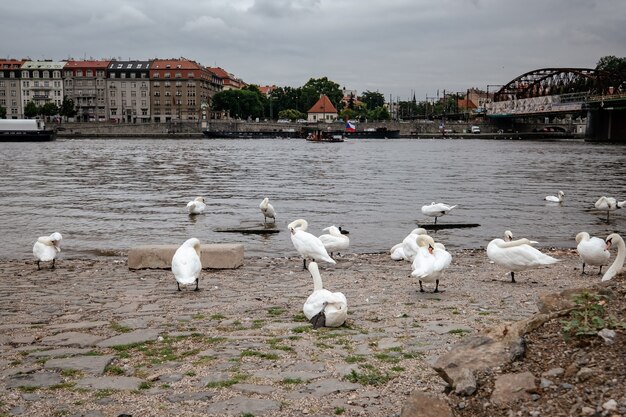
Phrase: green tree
(314, 88)
(49, 109)
(67, 108)
(3, 112)
(291, 114)
(615, 73)
(31, 110)
(373, 99)
(239, 103)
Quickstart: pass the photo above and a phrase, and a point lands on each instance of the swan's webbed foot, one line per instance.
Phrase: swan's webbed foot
(197, 283)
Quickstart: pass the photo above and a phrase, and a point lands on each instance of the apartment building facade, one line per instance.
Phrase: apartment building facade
(42, 82)
(85, 83)
(128, 91)
(10, 88)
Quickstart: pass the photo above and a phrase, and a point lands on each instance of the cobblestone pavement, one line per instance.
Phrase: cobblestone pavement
(92, 338)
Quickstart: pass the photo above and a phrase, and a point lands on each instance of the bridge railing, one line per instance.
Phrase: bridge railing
(545, 104)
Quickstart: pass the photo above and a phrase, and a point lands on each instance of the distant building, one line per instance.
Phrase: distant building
(229, 81)
(42, 82)
(85, 83)
(181, 89)
(10, 88)
(322, 111)
(128, 91)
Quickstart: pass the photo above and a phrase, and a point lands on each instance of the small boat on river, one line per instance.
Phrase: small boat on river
(25, 130)
(325, 136)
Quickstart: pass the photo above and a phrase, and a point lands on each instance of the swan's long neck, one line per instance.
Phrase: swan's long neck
(618, 263)
(517, 242)
(317, 278)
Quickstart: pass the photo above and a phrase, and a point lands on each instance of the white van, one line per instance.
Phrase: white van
(475, 129)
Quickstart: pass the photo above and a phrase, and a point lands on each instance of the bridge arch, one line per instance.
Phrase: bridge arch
(550, 81)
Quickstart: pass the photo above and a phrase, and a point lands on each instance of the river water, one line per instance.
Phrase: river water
(108, 195)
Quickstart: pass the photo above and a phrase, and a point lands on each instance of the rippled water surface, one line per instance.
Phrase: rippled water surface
(106, 196)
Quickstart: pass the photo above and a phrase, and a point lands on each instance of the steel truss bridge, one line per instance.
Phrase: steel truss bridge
(550, 91)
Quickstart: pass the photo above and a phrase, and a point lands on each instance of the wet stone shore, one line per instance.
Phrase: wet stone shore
(92, 338)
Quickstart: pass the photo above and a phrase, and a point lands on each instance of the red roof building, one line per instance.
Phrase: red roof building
(85, 83)
(10, 91)
(322, 111)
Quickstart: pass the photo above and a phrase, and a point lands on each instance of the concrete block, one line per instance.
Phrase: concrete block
(213, 256)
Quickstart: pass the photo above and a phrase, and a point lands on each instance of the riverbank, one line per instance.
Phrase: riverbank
(94, 338)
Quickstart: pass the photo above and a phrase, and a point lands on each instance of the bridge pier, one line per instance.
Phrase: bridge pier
(606, 124)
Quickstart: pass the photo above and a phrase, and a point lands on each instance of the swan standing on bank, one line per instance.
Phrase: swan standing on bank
(307, 245)
(408, 247)
(556, 199)
(618, 263)
(430, 261)
(196, 206)
(334, 240)
(324, 308)
(592, 251)
(609, 204)
(436, 210)
(46, 248)
(186, 263)
(268, 210)
(517, 255)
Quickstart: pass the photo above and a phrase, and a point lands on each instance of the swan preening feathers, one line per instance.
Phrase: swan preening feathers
(556, 199)
(430, 261)
(436, 210)
(618, 263)
(186, 263)
(592, 251)
(268, 210)
(196, 206)
(334, 240)
(408, 247)
(517, 255)
(609, 204)
(324, 308)
(307, 245)
(46, 248)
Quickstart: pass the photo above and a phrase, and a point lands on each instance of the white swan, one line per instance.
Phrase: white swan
(408, 247)
(307, 245)
(186, 263)
(592, 250)
(196, 206)
(436, 210)
(430, 261)
(322, 307)
(609, 204)
(556, 199)
(618, 263)
(517, 255)
(268, 210)
(46, 248)
(334, 240)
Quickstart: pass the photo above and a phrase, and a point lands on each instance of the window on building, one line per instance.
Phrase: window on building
(89, 73)
(24, 74)
(79, 73)
(46, 74)
(35, 74)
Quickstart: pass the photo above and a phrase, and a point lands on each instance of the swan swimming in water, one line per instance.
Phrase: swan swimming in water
(196, 206)
(47, 248)
(592, 250)
(430, 261)
(436, 210)
(186, 263)
(268, 210)
(324, 308)
(556, 199)
(334, 240)
(618, 263)
(307, 245)
(517, 255)
(609, 204)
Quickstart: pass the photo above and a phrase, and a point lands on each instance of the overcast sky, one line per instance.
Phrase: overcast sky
(395, 47)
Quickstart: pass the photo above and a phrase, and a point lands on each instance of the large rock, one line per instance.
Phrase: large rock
(213, 256)
(421, 404)
(509, 388)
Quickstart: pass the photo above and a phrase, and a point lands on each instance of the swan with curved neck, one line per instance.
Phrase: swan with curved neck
(592, 251)
(430, 261)
(557, 198)
(436, 210)
(618, 263)
(517, 255)
(47, 248)
(186, 263)
(334, 240)
(307, 245)
(609, 204)
(196, 206)
(324, 308)
(407, 249)
(268, 210)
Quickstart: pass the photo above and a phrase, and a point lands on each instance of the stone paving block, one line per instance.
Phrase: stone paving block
(94, 365)
(110, 382)
(137, 336)
(213, 256)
